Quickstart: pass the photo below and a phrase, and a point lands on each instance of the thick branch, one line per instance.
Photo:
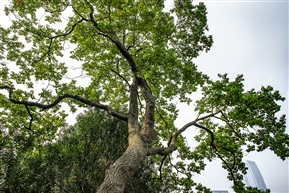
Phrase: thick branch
(60, 98)
(149, 121)
(126, 55)
(133, 108)
(161, 150)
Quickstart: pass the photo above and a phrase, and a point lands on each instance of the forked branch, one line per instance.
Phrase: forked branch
(165, 151)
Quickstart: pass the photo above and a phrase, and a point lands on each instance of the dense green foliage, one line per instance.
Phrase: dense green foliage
(75, 162)
(133, 60)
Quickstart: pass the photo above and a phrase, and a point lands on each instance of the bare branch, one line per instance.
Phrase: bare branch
(57, 36)
(178, 132)
(207, 116)
(91, 16)
(68, 31)
(121, 77)
(79, 14)
(213, 145)
(60, 98)
(47, 9)
(31, 118)
(164, 120)
(227, 121)
(226, 163)
(161, 166)
(174, 166)
(211, 134)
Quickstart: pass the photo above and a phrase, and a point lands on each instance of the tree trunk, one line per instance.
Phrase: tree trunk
(123, 169)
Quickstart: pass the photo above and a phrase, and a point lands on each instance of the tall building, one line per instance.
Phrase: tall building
(254, 178)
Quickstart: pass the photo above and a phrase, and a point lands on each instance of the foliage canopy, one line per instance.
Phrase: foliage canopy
(132, 59)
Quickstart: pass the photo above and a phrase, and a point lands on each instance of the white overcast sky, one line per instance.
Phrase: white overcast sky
(250, 38)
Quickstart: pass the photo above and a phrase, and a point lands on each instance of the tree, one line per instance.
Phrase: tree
(76, 161)
(138, 59)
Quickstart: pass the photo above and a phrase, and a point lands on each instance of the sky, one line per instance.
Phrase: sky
(250, 38)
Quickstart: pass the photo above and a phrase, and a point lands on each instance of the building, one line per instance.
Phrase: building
(254, 178)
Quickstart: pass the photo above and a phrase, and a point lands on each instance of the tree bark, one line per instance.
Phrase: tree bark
(122, 171)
